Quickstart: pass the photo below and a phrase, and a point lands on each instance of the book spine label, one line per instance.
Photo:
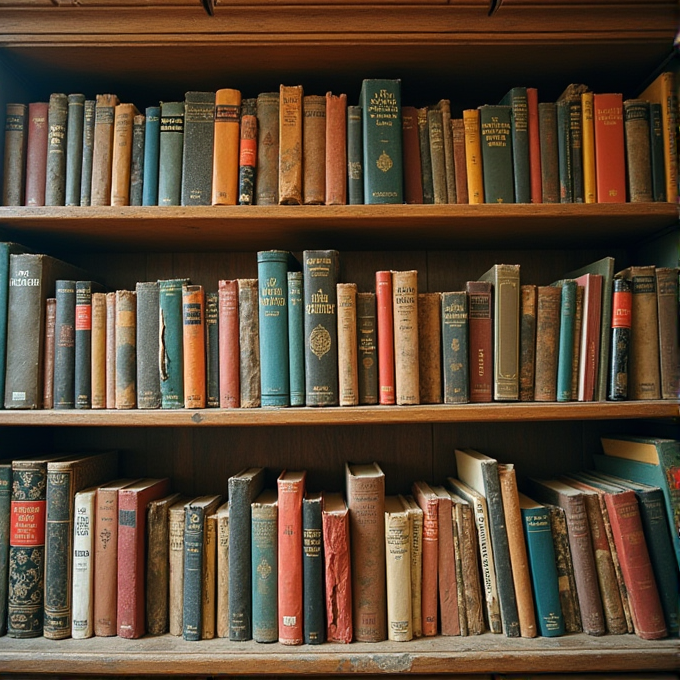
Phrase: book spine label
(355, 159)
(405, 306)
(110, 350)
(105, 564)
(267, 175)
(212, 350)
(122, 154)
(225, 161)
(5, 515)
(576, 144)
(48, 373)
(609, 144)
(74, 148)
(64, 350)
(249, 343)
(83, 345)
(193, 572)
(36, 154)
(83, 565)
(620, 340)
(171, 351)
(550, 156)
(337, 577)
(535, 168)
(88, 148)
(230, 396)
(313, 570)
(55, 179)
(437, 155)
(296, 338)
(102, 149)
(565, 356)
(193, 342)
(455, 347)
(669, 349)
(367, 341)
(425, 155)
(336, 149)
(152, 132)
(496, 144)
(98, 365)
(430, 348)
(385, 332)
(265, 572)
(314, 149)
(198, 144)
(126, 339)
(413, 185)
(547, 343)
(137, 160)
(247, 152)
(348, 376)
(148, 376)
(480, 324)
(398, 576)
(588, 132)
(290, 144)
(656, 148)
(171, 143)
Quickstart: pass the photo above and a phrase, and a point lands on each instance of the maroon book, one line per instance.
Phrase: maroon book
(480, 340)
(336, 149)
(413, 186)
(590, 335)
(229, 350)
(36, 154)
(534, 146)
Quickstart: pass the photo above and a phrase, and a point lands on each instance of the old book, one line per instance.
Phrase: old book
(336, 149)
(398, 570)
(430, 348)
(5, 523)
(565, 351)
(480, 340)
(152, 138)
(609, 145)
(158, 564)
(36, 154)
(102, 149)
(314, 623)
(83, 342)
(171, 339)
(355, 156)
(48, 369)
(148, 328)
(415, 518)
(176, 521)
(445, 107)
(656, 151)
(225, 160)
(222, 612)
(385, 332)
(265, 577)
(65, 345)
(290, 144)
(517, 100)
(321, 270)
(249, 343)
(267, 176)
(193, 343)
(576, 352)
(74, 148)
(348, 371)
(170, 150)
(367, 342)
(229, 350)
(247, 160)
(380, 102)
(110, 350)
(89, 116)
(338, 577)
(413, 185)
(547, 343)
(564, 152)
(428, 501)
(638, 151)
(535, 169)
(137, 160)
(314, 149)
(132, 503)
(547, 125)
(455, 344)
(527, 342)
(198, 145)
(437, 157)
(209, 583)
(291, 489)
(121, 160)
(459, 159)
(405, 313)
(244, 488)
(365, 486)
(473, 156)
(55, 171)
(590, 358)
(64, 479)
(82, 624)
(572, 97)
(449, 606)
(496, 146)
(621, 318)
(588, 132)
(126, 339)
(669, 349)
(212, 350)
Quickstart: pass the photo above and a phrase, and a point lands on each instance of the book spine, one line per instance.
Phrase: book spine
(565, 354)
(122, 154)
(336, 149)
(413, 184)
(55, 172)
(430, 347)
(564, 153)
(348, 374)
(82, 625)
(472, 589)
(638, 152)
(609, 145)
(527, 340)
(222, 614)
(576, 144)
(98, 367)
(455, 347)
(576, 354)
(102, 149)
(110, 350)
(171, 351)
(473, 156)
(5, 515)
(549, 138)
(209, 577)
(48, 372)
(446, 570)
(656, 149)
(193, 343)
(212, 350)
(126, 338)
(312, 571)
(137, 160)
(355, 158)
(296, 338)
(249, 343)
(88, 148)
(480, 326)
(496, 144)
(460, 585)
(385, 333)
(273, 313)
(437, 156)
(398, 576)
(176, 559)
(314, 149)
(367, 341)
(290, 144)
(192, 615)
(83, 345)
(267, 176)
(36, 152)
(197, 153)
(148, 375)
(445, 107)
(265, 572)
(74, 148)
(405, 306)
(64, 351)
(663, 91)
(105, 560)
(247, 152)
(426, 177)
(460, 159)
(230, 391)
(416, 549)
(669, 350)
(520, 144)
(170, 146)
(338, 578)
(430, 565)
(506, 332)
(535, 169)
(152, 132)
(225, 160)
(589, 167)
(620, 340)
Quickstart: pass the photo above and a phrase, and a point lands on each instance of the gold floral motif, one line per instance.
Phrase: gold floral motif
(384, 163)
(320, 341)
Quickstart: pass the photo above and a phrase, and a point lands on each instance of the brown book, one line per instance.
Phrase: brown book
(122, 153)
(638, 150)
(405, 311)
(98, 350)
(126, 341)
(229, 350)
(547, 342)
(226, 147)
(176, 519)
(290, 144)
(413, 185)
(445, 108)
(398, 569)
(314, 149)
(222, 571)
(480, 340)
(669, 349)
(527, 342)
(336, 149)
(110, 350)
(437, 157)
(446, 569)
(249, 343)
(367, 342)
(366, 501)
(102, 151)
(267, 170)
(36, 154)
(208, 585)
(428, 501)
(193, 337)
(425, 155)
(348, 374)
(48, 375)
(578, 329)
(430, 347)
(459, 159)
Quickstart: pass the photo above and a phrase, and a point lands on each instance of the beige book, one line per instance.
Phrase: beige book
(348, 374)
(415, 518)
(102, 149)
(122, 153)
(82, 623)
(208, 592)
(98, 362)
(405, 314)
(222, 569)
(290, 144)
(111, 350)
(398, 570)
(430, 347)
(176, 556)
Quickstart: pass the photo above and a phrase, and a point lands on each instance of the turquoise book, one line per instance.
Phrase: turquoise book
(296, 339)
(264, 511)
(152, 132)
(380, 103)
(496, 142)
(171, 144)
(516, 99)
(171, 353)
(565, 352)
(542, 565)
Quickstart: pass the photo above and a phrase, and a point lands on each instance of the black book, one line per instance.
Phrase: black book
(564, 153)
(74, 148)
(455, 347)
(313, 594)
(425, 156)
(212, 350)
(572, 99)
(656, 149)
(248, 152)
(197, 157)
(148, 371)
(517, 99)
(55, 182)
(65, 345)
(83, 342)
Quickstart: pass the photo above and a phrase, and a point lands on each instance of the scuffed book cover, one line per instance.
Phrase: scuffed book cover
(176, 520)
(571, 98)
(296, 338)
(212, 350)
(14, 171)
(152, 138)
(197, 152)
(480, 340)
(313, 569)
(455, 334)
(460, 159)
(426, 178)
(137, 160)
(193, 342)
(82, 625)
(64, 344)
(547, 342)
(55, 179)
(430, 347)
(621, 318)
(83, 342)
(405, 312)
(638, 150)
(527, 342)
(550, 169)
(171, 146)
(497, 162)
(110, 370)
(290, 144)
(449, 604)
(267, 174)
(437, 155)
(415, 515)
(588, 137)
(102, 149)
(565, 352)
(171, 350)
(367, 341)
(336, 149)
(656, 149)
(314, 149)
(247, 152)
(413, 185)
(535, 168)
(36, 154)
(669, 349)
(148, 326)
(225, 160)
(222, 613)
(122, 154)
(126, 344)
(517, 99)
(5, 515)
(428, 502)
(445, 107)
(355, 156)
(398, 570)
(74, 148)
(48, 372)
(265, 567)
(88, 149)
(564, 153)
(229, 350)
(348, 375)
(385, 333)
(249, 343)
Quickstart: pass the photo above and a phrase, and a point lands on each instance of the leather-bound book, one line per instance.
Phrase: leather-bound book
(74, 148)
(48, 373)
(413, 184)
(398, 570)
(415, 520)
(576, 352)
(65, 344)
(102, 149)
(527, 340)
(385, 331)
(445, 107)
(148, 320)
(547, 342)
(367, 341)
(171, 350)
(497, 161)
(459, 159)
(534, 146)
(152, 138)
(225, 161)
(137, 160)
(428, 502)
(314, 623)
(336, 149)
(426, 178)
(126, 355)
(176, 521)
(669, 350)
(473, 156)
(455, 344)
(249, 343)
(212, 350)
(247, 160)
(36, 154)
(83, 342)
(110, 350)
(314, 149)
(208, 586)
(170, 152)
(267, 175)
(296, 338)
(638, 151)
(565, 352)
(656, 151)
(609, 145)
(222, 613)
(348, 373)
(405, 310)
(338, 577)
(230, 391)
(550, 174)
(82, 626)
(517, 100)
(564, 153)
(55, 172)
(290, 144)
(620, 340)
(572, 97)
(88, 149)
(480, 340)
(430, 347)
(132, 503)
(265, 526)
(435, 129)
(588, 131)
(365, 486)
(589, 360)
(193, 343)
(355, 156)
(450, 621)
(198, 146)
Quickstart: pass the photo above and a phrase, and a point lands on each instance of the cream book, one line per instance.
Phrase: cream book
(398, 566)
(82, 622)
(415, 518)
(222, 614)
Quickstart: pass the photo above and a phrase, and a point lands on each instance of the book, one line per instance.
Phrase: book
(82, 625)
(336, 149)
(669, 347)
(656, 152)
(74, 148)
(565, 353)
(549, 140)
(415, 515)
(572, 97)
(148, 332)
(547, 343)
(428, 501)
(290, 144)
(314, 149)
(176, 522)
(406, 352)
(497, 159)
(590, 358)
(455, 353)
(55, 172)
(222, 613)
(449, 163)
(89, 115)
(564, 152)
(64, 344)
(355, 160)
(247, 160)
(609, 145)
(385, 333)
(425, 155)
(83, 342)
(226, 141)
(110, 350)
(367, 340)
(348, 371)
(152, 138)
(170, 150)
(126, 338)
(576, 352)
(473, 156)
(48, 369)
(14, 176)
(171, 339)
(448, 558)
(588, 132)
(480, 340)
(430, 348)
(193, 343)
(398, 570)
(517, 99)
(265, 514)
(121, 159)
(413, 185)
(638, 150)
(5, 523)
(249, 343)
(198, 146)
(102, 149)
(535, 168)
(619, 349)
(229, 349)
(137, 160)
(527, 342)
(267, 171)
(208, 585)
(212, 350)
(314, 623)
(36, 152)
(438, 159)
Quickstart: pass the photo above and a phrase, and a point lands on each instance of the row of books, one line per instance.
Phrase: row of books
(296, 338)
(594, 552)
(285, 147)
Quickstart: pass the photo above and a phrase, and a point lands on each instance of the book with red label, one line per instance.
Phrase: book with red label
(610, 161)
(383, 299)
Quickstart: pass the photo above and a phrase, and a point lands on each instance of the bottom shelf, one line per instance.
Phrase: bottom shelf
(480, 654)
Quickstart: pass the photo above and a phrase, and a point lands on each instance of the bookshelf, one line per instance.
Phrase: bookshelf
(149, 50)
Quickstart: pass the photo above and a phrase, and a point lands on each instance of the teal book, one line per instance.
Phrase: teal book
(171, 353)
(171, 144)
(496, 143)
(264, 562)
(565, 352)
(197, 156)
(5, 498)
(152, 140)
(516, 99)
(380, 103)
(296, 339)
(542, 565)
(74, 147)
(355, 157)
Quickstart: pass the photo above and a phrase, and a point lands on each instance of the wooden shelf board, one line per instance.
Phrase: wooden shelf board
(356, 227)
(359, 415)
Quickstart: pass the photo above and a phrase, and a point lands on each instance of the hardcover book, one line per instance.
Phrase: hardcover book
(669, 345)
(55, 172)
(148, 329)
(314, 149)
(171, 350)
(413, 185)
(430, 347)
(565, 353)
(247, 159)
(638, 150)
(152, 138)
(121, 159)
(265, 567)
(212, 350)
(88, 149)
(610, 162)
(5, 523)
(171, 144)
(455, 344)
(314, 623)
(425, 154)
(83, 342)
(225, 160)
(415, 518)
(535, 168)
(137, 160)
(13, 185)
(229, 350)
(64, 344)
(619, 349)
(497, 160)
(222, 614)
(249, 343)
(445, 107)
(193, 343)
(368, 348)
(527, 342)
(473, 156)
(198, 145)
(336, 149)
(102, 149)
(517, 100)
(126, 338)
(480, 340)
(82, 625)
(355, 156)
(550, 173)
(437, 154)
(385, 333)
(428, 501)
(74, 148)
(656, 150)
(588, 132)
(405, 312)
(398, 570)
(176, 521)
(36, 154)
(547, 343)
(48, 370)
(348, 373)
(290, 144)
(267, 177)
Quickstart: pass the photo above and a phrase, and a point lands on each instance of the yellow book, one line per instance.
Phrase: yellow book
(589, 183)
(473, 156)
(226, 153)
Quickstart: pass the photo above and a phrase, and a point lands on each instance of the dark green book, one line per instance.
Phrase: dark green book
(197, 156)
(367, 340)
(380, 103)
(212, 350)
(83, 342)
(88, 148)
(152, 140)
(55, 180)
(265, 563)
(296, 339)
(656, 150)
(516, 99)
(435, 131)
(455, 347)
(355, 156)
(148, 326)
(171, 350)
(5, 503)
(65, 345)
(564, 153)
(496, 143)
(313, 594)
(565, 351)
(425, 155)
(74, 148)
(137, 161)
(14, 169)
(170, 153)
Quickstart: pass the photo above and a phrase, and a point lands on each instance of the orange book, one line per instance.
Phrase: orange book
(428, 501)
(193, 325)
(473, 156)
(122, 154)
(226, 149)
(610, 161)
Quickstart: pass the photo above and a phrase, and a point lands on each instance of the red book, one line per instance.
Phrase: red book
(590, 335)
(229, 351)
(429, 504)
(480, 340)
(383, 300)
(448, 586)
(335, 522)
(291, 486)
(336, 149)
(459, 159)
(132, 502)
(413, 185)
(610, 161)
(36, 154)
(534, 146)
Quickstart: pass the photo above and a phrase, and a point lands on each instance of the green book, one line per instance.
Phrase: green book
(197, 156)
(516, 99)
(172, 344)
(565, 352)
(455, 347)
(74, 148)
(496, 142)
(296, 339)
(170, 153)
(264, 563)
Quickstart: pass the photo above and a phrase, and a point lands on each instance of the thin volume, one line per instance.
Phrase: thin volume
(547, 342)
(527, 342)
(193, 342)
(229, 350)
(290, 144)
(314, 149)
(454, 329)
(430, 348)
(550, 174)
(55, 180)
(413, 185)
(348, 375)
(225, 162)
(102, 151)
(74, 148)
(267, 175)
(88, 149)
(212, 350)
(460, 159)
(148, 319)
(171, 143)
(564, 159)
(398, 570)
(249, 343)
(385, 328)
(429, 504)
(620, 340)
(426, 177)
(98, 350)
(473, 156)
(137, 160)
(83, 342)
(367, 341)
(152, 134)
(336, 149)
(36, 154)
(480, 326)
(48, 375)
(669, 349)
(588, 125)
(638, 151)
(126, 342)
(565, 355)
(535, 169)
(198, 148)
(518, 99)
(171, 350)
(656, 150)
(437, 155)
(247, 152)
(445, 107)
(296, 338)
(65, 345)
(313, 569)
(355, 160)
(111, 350)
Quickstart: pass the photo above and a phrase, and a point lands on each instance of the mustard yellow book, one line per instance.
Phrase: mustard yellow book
(588, 139)
(473, 156)
(226, 153)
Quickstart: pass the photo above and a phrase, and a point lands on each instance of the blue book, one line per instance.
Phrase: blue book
(264, 563)
(296, 339)
(152, 136)
(541, 552)
(171, 343)
(565, 354)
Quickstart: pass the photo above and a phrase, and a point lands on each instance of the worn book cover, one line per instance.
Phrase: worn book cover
(428, 501)
(398, 570)
(547, 342)
(74, 148)
(247, 159)
(249, 343)
(137, 160)
(430, 347)
(225, 160)
(176, 519)
(152, 138)
(148, 329)
(267, 174)
(413, 185)
(517, 100)
(36, 154)
(121, 160)
(669, 347)
(588, 132)
(355, 156)
(415, 519)
(82, 625)
(314, 149)
(459, 159)
(198, 146)
(222, 613)
(336, 149)
(496, 146)
(290, 144)
(171, 350)
(444, 106)
(435, 129)
(425, 154)
(265, 522)
(126, 342)
(480, 340)
(455, 360)
(550, 177)
(48, 369)
(565, 351)
(229, 350)
(406, 350)
(348, 372)
(171, 144)
(64, 344)
(527, 342)
(193, 343)
(88, 150)
(610, 162)
(385, 333)
(83, 342)
(55, 172)
(212, 351)
(314, 621)
(14, 172)
(638, 150)
(367, 340)
(102, 150)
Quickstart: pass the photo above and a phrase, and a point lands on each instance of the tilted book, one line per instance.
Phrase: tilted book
(265, 523)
